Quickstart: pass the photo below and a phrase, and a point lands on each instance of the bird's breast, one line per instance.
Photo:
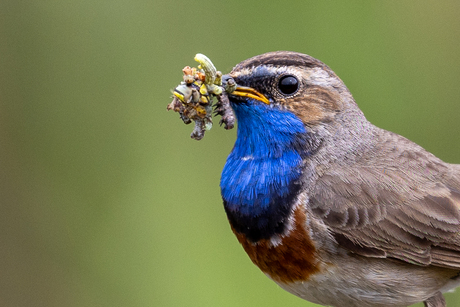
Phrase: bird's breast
(292, 259)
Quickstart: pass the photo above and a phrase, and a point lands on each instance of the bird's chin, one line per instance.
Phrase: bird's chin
(238, 100)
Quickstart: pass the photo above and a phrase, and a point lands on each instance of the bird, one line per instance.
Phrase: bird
(330, 207)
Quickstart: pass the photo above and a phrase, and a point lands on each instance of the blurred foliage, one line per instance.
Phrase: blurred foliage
(106, 201)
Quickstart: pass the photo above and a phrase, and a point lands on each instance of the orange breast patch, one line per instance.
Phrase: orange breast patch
(291, 260)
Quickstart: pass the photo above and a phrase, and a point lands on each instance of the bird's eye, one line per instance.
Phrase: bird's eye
(288, 85)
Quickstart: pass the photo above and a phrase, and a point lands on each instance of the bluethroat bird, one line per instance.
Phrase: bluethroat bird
(332, 208)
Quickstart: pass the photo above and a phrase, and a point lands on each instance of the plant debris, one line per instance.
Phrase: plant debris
(193, 97)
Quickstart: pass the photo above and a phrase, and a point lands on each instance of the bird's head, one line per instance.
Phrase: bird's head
(293, 82)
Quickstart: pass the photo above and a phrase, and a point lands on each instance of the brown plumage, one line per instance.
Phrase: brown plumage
(399, 201)
(382, 213)
(293, 259)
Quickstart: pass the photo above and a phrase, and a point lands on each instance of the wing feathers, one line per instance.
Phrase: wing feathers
(409, 209)
(445, 257)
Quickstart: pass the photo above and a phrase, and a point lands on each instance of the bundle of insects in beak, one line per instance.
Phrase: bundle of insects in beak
(193, 97)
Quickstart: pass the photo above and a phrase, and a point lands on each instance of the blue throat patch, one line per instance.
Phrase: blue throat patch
(260, 179)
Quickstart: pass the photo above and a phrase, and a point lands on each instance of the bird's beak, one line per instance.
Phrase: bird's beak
(249, 92)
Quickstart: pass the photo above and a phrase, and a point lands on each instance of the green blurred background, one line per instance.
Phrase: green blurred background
(106, 201)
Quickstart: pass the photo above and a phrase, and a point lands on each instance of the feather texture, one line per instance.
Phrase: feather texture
(380, 215)
(398, 201)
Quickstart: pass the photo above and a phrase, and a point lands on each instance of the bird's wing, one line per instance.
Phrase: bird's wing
(400, 202)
